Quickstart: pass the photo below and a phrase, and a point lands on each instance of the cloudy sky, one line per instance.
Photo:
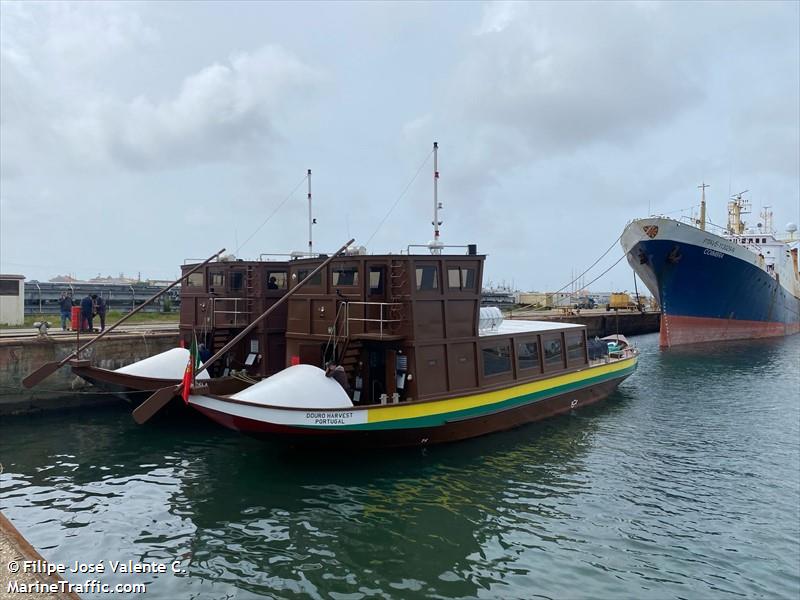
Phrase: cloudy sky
(134, 135)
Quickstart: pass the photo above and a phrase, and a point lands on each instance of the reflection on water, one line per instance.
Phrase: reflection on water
(684, 484)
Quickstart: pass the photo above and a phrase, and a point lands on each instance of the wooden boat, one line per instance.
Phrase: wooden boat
(423, 362)
(217, 301)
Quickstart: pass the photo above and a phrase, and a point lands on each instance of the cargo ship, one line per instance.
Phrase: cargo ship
(742, 283)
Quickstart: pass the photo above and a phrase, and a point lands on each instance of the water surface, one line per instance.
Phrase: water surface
(684, 484)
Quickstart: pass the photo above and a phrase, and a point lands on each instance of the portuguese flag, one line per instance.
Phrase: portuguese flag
(188, 374)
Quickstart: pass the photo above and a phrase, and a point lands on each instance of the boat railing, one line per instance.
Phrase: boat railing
(230, 312)
(383, 320)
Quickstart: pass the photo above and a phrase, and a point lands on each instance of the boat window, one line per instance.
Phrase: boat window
(468, 278)
(496, 359)
(375, 280)
(195, 280)
(575, 347)
(303, 273)
(276, 280)
(528, 355)
(427, 277)
(237, 280)
(342, 275)
(217, 281)
(461, 278)
(454, 279)
(553, 353)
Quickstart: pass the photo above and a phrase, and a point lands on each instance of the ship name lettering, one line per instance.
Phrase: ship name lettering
(326, 418)
(713, 253)
(719, 246)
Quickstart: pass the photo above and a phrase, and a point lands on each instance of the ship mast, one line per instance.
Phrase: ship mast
(436, 245)
(736, 208)
(702, 220)
(766, 216)
(310, 218)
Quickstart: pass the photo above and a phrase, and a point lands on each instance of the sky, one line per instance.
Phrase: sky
(136, 135)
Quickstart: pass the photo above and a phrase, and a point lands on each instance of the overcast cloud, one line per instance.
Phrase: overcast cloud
(135, 135)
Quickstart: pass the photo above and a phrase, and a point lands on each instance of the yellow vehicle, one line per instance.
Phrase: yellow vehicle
(623, 301)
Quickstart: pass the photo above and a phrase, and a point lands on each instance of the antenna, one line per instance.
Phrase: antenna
(436, 245)
(310, 218)
(702, 220)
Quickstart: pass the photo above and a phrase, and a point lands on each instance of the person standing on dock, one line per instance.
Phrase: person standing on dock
(65, 305)
(87, 306)
(100, 305)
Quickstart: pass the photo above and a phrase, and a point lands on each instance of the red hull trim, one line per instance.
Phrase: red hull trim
(676, 330)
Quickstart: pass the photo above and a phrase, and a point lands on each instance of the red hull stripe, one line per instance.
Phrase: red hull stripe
(676, 330)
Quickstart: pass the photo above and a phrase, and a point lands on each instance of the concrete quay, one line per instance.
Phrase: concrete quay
(19, 356)
(599, 323)
(15, 551)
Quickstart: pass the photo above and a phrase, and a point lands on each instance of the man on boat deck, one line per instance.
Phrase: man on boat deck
(339, 375)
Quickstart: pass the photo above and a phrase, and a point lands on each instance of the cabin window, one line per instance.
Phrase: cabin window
(237, 280)
(528, 355)
(375, 280)
(427, 277)
(461, 278)
(575, 347)
(344, 275)
(9, 287)
(217, 281)
(553, 353)
(496, 359)
(276, 280)
(195, 280)
(454, 279)
(315, 280)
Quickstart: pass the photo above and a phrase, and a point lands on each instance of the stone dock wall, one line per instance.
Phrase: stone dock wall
(21, 356)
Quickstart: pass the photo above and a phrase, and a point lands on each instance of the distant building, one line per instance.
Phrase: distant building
(12, 299)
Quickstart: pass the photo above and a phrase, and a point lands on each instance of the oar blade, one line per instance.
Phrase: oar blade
(154, 403)
(40, 374)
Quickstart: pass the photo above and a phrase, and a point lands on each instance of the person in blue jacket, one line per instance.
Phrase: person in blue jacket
(87, 307)
(65, 305)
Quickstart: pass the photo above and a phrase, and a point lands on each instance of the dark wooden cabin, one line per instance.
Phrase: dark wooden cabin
(406, 327)
(223, 298)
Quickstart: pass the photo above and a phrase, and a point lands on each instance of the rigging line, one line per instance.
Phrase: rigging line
(586, 271)
(606, 271)
(272, 214)
(591, 266)
(400, 197)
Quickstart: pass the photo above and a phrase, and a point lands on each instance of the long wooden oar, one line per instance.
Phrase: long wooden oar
(49, 368)
(161, 397)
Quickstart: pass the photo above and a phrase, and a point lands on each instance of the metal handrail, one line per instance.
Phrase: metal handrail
(380, 320)
(236, 312)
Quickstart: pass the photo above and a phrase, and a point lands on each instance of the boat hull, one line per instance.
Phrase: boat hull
(135, 389)
(709, 289)
(420, 423)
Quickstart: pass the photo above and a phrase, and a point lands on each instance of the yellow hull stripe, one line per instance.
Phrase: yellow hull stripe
(426, 409)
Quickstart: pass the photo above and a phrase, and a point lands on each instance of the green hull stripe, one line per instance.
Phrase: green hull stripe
(442, 418)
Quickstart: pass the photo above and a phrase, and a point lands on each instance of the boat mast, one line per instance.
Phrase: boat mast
(703, 187)
(436, 244)
(310, 218)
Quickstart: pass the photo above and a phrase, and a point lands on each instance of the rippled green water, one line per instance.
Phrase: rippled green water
(684, 484)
